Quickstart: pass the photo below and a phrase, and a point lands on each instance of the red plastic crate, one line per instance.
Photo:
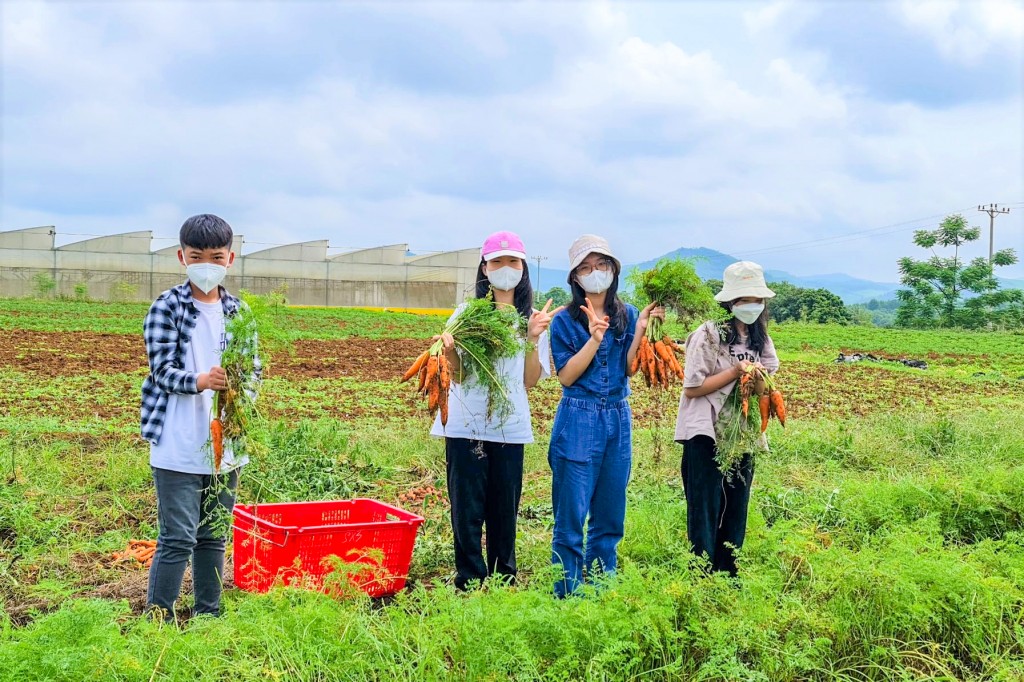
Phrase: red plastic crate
(286, 543)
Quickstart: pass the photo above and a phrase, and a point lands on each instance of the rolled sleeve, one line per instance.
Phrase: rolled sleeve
(769, 358)
(700, 358)
(562, 347)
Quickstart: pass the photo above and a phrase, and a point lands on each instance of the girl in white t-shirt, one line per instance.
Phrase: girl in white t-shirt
(485, 455)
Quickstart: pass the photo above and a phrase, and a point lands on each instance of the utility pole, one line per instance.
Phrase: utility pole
(993, 210)
(538, 259)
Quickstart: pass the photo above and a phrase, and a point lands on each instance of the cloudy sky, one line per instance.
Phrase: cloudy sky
(811, 137)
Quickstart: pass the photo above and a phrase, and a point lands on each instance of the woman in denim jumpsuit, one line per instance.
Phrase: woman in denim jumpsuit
(593, 343)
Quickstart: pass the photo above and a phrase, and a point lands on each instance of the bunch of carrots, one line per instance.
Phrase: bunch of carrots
(755, 383)
(483, 334)
(139, 550)
(435, 380)
(740, 428)
(656, 358)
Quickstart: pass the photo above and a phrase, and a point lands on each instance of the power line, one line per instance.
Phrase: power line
(850, 236)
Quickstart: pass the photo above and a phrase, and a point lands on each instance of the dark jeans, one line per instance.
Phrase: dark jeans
(185, 505)
(485, 481)
(716, 510)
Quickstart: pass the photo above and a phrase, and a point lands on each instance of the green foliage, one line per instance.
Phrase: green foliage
(124, 291)
(793, 303)
(879, 547)
(43, 284)
(874, 313)
(81, 291)
(558, 295)
(947, 292)
(485, 333)
(311, 461)
(674, 284)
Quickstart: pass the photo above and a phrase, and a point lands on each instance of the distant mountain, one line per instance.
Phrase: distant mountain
(710, 264)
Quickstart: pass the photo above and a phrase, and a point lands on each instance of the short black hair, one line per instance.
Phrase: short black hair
(205, 231)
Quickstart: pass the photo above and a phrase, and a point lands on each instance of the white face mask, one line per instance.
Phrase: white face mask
(504, 278)
(597, 282)
(206, 276)
(747, 313)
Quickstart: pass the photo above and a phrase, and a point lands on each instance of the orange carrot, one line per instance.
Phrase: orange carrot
(217, 439)
(423, 379)
(779, 406)
(431, 375)
(433, 384)
(635, 365)
(764, 404)
(444, 383)
(416, 365)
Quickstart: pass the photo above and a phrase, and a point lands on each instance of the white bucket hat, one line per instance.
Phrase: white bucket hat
(586, 245)
(743, 279)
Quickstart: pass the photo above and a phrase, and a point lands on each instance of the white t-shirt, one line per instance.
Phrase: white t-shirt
(467, 403)
(183, 443)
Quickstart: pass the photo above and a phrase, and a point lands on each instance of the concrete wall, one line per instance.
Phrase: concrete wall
(123, 267)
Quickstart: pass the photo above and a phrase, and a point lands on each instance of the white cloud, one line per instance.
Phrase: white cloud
(652, 141)
(967, 30)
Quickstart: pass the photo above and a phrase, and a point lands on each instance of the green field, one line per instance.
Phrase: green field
(886, 536)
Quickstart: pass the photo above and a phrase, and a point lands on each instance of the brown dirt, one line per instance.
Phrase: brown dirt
(54, 354)
(363, 359)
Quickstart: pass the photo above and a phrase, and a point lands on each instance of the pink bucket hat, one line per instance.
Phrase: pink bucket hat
(503, 244)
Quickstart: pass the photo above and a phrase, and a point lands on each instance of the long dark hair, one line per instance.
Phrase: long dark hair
(522, 295)
(757, 333)
(613, 305)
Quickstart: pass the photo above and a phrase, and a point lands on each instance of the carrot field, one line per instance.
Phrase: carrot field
(886, 535)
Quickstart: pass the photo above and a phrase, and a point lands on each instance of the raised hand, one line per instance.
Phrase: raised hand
(447, 344)
(598, 325)
(652, 310)
(540, 320)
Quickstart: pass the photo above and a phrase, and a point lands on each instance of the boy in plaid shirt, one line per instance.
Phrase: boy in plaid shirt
(185, 334)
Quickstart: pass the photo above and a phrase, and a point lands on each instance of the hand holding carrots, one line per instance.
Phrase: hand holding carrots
(216, 379)
(652, 310)
(540, 320)
(447, 345)
(598, 326)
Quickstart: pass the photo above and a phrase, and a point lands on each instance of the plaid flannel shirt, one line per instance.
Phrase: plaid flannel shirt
(167, 331)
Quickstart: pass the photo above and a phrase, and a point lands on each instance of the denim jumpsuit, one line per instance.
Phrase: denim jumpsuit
(590, 452)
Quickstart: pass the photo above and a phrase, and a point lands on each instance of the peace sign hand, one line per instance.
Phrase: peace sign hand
(540, 320)
(598, 325)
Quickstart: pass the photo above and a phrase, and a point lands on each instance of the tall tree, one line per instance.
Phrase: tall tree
(948, 291)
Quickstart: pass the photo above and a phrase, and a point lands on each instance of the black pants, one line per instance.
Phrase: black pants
(716, 509)
(485, 481)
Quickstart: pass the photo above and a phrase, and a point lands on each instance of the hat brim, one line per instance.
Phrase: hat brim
(604, 252)
(744, 292)
(503, 252)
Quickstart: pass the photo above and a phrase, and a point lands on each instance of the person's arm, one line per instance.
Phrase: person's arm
(451, 353)
(700, 377)
(161, 337)
(537, 329)
(572, 370)
(717, 382)
(642, 321)
(769, 358)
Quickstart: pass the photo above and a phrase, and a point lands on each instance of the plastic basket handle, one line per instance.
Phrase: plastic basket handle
(251, 532)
